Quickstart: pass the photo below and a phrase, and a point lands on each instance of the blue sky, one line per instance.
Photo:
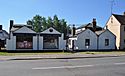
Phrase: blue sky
(73, 11)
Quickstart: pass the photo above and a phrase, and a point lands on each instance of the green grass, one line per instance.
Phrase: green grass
(42, 53)
(113, 52)
(5, 54)
(59, 53)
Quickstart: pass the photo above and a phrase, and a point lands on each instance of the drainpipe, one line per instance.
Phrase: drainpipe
(97, 42)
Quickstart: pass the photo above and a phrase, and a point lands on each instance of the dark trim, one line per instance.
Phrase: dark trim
(58, 35)
(18, 34)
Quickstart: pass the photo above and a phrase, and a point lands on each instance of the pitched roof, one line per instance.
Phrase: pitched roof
(18, 26)
(120, 18)
(99, 32)
(90, 25)
(4, 35)
(102, 31)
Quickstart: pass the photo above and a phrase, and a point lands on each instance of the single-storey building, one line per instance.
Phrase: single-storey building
(23, 37)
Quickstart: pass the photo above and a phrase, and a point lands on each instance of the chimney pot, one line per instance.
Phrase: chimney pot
(11, 24)
(94, 24)
(0, 27)
(73, 30)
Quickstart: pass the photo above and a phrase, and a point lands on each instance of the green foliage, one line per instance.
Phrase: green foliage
(40, 23)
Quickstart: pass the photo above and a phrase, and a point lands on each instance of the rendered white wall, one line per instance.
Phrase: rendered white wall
(34, 42)
(87, 34)
(10, 43)
(41, 43)
(106, 35)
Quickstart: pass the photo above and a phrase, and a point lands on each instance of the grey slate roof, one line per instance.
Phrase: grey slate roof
(88, 25)
(120, 18)
(99, 32)
(3, 35)
(18, 26)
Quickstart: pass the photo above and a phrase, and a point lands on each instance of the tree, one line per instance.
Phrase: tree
(63, 27)
(40, 23)
(56, 23)
(49, 22)
(29, 22)
(44, 23)
(36, 23)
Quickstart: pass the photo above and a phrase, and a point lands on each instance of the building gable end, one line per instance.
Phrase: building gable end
(24, 29)
(50, 31)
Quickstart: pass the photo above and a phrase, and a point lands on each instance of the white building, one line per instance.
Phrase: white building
(22, 37)
(92, 37)
(106, 40)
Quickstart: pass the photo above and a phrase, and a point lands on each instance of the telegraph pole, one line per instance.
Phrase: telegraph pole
(112, 2)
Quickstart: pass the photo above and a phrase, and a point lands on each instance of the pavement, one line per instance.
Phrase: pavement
(57, 56)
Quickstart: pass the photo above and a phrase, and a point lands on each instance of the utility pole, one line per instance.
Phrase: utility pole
(112, 3)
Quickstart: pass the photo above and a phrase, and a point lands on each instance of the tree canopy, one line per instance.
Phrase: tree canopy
(40, 24)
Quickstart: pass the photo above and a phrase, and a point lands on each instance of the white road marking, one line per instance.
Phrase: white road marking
(71, 67)
(62, 67)
(119, 63)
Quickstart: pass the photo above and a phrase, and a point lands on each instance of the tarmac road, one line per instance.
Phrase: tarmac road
(107, 66)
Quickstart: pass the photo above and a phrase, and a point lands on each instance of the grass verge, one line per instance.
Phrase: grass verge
(59, 53)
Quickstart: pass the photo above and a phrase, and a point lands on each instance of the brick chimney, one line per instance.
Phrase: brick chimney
(94, 24)
(73, 30)
(11, 24)
(0, 27)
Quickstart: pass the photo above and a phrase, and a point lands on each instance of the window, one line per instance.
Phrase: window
(50, 42)
(111, 20)
(106, 42)
(124, 41)
(124, 28)
(69, 42)
(24, 42)
(87, 42)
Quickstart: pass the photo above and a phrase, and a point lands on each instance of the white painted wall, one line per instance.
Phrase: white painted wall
(101, 40)
(34, 42)
(10, 43)
(75, 44)
(41, 43)
(62, 43)
(87, 34)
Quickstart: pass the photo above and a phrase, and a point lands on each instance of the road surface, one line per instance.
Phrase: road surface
(107, 66)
